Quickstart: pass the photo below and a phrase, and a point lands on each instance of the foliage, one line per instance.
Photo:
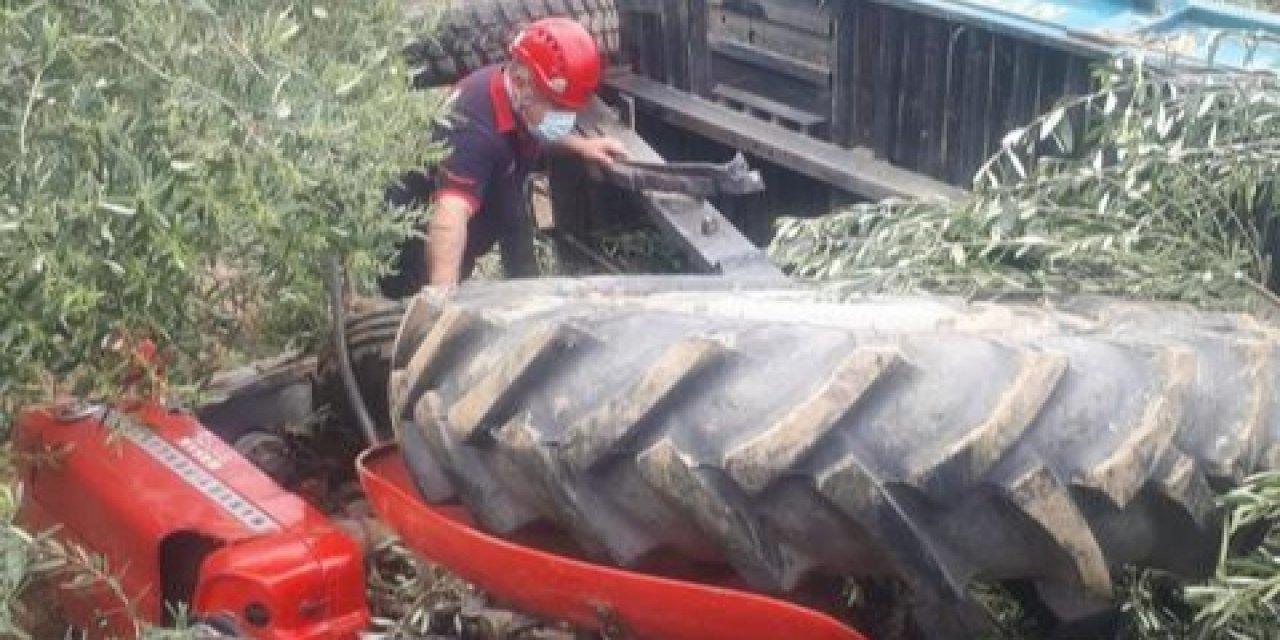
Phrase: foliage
(1240, 599)
(1244, 594)
(1153, 605)
(15, 559)
(179, 169)
(1157, 185)
(410, 598)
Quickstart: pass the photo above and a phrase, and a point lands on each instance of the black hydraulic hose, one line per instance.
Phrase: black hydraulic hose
(338, 312)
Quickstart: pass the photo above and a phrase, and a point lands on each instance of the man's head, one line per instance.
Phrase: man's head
(555, 70)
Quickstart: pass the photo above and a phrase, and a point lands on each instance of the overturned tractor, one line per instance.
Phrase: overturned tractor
(742, 443)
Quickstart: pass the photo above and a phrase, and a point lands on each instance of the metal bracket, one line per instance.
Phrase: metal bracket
(694, 179)
(630, 103)
(664, 192)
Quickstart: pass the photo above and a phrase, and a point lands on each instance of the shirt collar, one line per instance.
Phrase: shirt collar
(503, 118)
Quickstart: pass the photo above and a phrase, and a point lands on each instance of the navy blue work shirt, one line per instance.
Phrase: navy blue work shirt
(490, 158)
(491, 155)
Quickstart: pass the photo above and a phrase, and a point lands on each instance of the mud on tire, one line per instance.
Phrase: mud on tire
(925, 440)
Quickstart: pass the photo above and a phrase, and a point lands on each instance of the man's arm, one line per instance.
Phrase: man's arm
(602, 150)
(447, 239)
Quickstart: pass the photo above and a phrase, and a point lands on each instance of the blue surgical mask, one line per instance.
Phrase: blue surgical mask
(555, 125)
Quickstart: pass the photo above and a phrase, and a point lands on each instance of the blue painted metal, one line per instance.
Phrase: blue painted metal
(1225, 36)
(1188, 30)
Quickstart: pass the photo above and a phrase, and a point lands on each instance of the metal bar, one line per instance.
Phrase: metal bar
(697, 179)
(854, 170)
(705, 236)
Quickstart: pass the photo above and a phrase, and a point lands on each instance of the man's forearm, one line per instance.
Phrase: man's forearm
(571, 144)
(601, 150)
(447, 237)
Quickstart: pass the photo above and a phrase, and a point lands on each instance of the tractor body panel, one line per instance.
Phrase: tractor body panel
(173, 515)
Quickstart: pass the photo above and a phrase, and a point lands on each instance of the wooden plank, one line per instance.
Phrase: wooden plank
(844, 75)
(1021, 108)
(933, 92)
(782, 111)
(958, 45)
(999, 93)
(675, 20)
(971, 136)
(887, 75)
(907, 142)
(776, 62)
(810, 16)
(866, 59)
(771, 36)
(699, 49)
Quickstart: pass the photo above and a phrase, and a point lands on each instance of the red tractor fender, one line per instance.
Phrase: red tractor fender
(596, 597)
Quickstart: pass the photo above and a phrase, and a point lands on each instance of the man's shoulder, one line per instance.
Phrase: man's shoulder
(472, 102)
(475, 90)
(479, 79)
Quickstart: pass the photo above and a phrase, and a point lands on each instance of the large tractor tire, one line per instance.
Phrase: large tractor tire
(925, 441)
(474, 33)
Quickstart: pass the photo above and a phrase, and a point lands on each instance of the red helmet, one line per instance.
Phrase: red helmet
(562, 58)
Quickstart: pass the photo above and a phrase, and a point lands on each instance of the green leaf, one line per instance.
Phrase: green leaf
(1012, 137)
(1050, 125)
(117, 209)
(1206, 105)
(1017, 165)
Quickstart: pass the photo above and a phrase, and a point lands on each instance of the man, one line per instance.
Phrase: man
(504, 118)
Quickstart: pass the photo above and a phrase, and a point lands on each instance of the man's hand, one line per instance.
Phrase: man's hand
(603, 150)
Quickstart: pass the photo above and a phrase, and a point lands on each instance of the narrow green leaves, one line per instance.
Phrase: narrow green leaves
(1138, 189)
(181, 166)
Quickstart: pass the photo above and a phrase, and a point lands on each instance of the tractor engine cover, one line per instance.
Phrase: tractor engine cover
(181, 519)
